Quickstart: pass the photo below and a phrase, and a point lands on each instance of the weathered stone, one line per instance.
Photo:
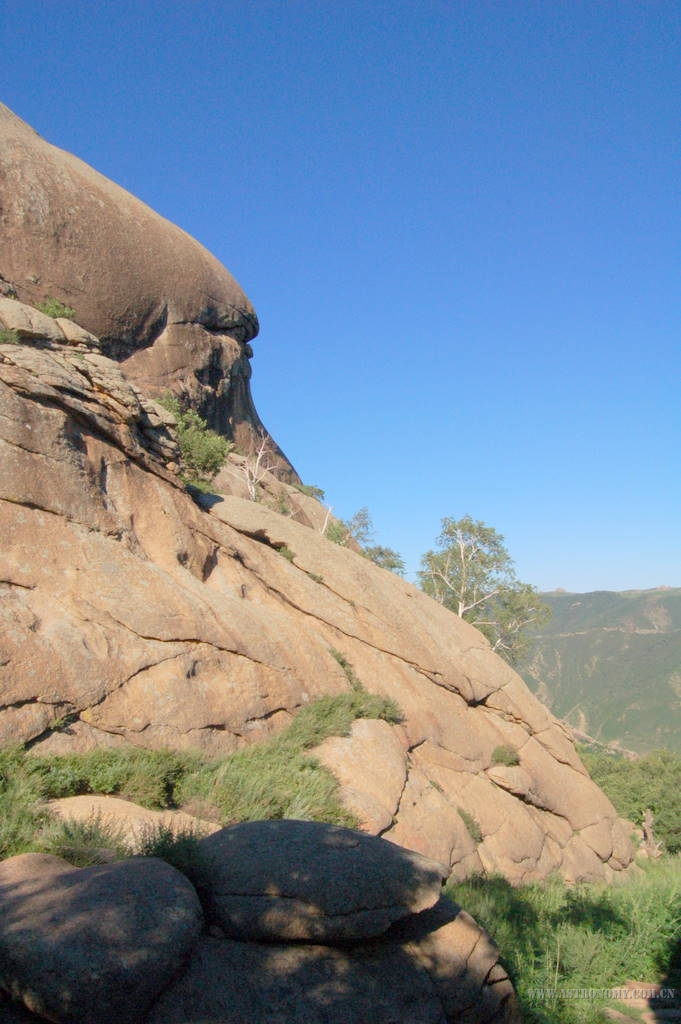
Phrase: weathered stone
(135, 823)
(95, 944)
(149, 291)
(236, 982)
(29, 322)
(304, 880)
(371, 766)
(462, 961)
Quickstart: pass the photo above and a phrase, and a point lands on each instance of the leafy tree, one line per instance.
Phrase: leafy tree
(360, 529)
(387, 558)
(203, 450)
(652, 782)
(472, 574)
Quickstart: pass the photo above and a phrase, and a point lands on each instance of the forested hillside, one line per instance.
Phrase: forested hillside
(610, 665)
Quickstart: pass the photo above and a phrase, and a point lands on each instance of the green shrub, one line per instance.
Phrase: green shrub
(83, 843)
(203, 451)
(285, 551)
(505, 754)
(474, 830)
(21, 814)
(9, 337)
(650, 782)
(311, 491)
(337, 532)
(55, 308)
(176, 848)
(148, 777)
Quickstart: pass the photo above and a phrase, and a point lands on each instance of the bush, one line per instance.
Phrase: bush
(148, 777)
(55, 308)
(9, 337)
(311, 491)
(506, 754)
(203, 451)
(650, 782)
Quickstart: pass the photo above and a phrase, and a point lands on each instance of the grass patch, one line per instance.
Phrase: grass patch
(56, 308)
(559, 938)
(278, 779)
(8, 336)
(274, 779)
(506, 755)
(474, 830)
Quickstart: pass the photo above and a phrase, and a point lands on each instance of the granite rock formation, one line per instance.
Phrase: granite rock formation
(147, 618)
(152, 294)
(131, 943)
(138, 615)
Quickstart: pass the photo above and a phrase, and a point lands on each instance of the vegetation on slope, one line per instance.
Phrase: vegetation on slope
(274, 779)
(558, 942)
(650, 783)
(608, 664)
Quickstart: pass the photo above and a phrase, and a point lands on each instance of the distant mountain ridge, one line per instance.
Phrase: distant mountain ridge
(609, 664)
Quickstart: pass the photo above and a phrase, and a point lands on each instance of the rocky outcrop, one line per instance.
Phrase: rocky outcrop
(154, 296)
(128, 943)
(142, 617)
(359, 886)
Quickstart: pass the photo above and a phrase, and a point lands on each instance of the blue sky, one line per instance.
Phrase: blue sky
(460, 225)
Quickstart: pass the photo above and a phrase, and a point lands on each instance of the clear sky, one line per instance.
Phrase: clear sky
(459, 222)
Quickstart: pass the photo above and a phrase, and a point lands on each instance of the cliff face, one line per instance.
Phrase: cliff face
(152, 294)
(145, 618)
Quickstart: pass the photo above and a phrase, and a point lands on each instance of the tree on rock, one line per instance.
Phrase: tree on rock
(473, 575)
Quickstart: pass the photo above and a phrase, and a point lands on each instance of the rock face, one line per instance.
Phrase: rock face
(153, 295)
(357, 888)
(146, 618)
(127, 943)
(150, 620)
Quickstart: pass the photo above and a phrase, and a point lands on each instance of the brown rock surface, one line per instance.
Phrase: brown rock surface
(231, 982)
(135, 823)
(152, 294)
(308, 881)
(153, 621)
(93, 944)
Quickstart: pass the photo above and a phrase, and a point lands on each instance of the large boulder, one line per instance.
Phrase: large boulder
(95, 944)
(307, 881)
(232, 982)
(153, 295)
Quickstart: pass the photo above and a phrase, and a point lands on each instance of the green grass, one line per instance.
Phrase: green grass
(505, 755)
(557, 937)
(274, 779)
(56, 308)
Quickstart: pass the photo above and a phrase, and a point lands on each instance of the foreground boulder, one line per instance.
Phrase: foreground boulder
(120, 944)
(304, 880)
(95, 944)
